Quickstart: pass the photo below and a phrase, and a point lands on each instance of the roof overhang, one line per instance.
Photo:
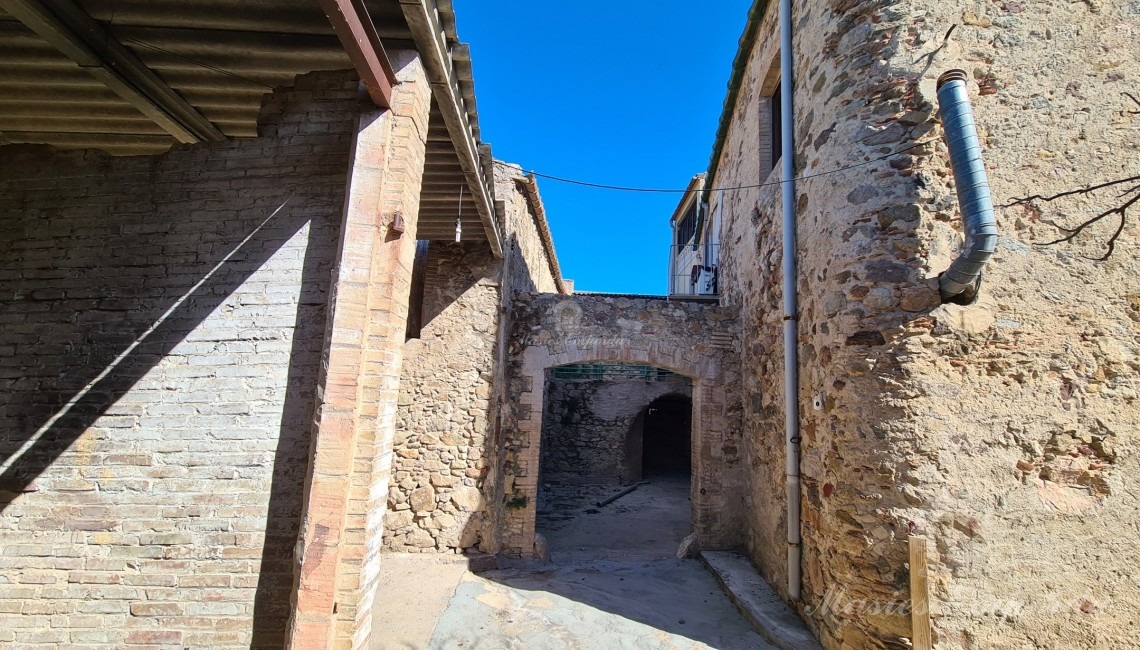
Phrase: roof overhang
(692, 193)
(529, 185)
(135, 77)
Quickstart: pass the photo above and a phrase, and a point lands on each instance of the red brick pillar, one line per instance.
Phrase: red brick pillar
(337, 553)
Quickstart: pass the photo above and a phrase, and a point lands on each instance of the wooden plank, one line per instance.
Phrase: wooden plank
(919, 596)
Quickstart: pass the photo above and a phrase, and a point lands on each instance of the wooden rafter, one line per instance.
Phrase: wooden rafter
(354, 28)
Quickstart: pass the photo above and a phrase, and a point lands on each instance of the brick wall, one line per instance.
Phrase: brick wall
(338, 551)
(161, 320)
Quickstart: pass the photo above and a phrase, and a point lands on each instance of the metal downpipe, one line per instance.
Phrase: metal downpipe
(960, 282)
(791, 340)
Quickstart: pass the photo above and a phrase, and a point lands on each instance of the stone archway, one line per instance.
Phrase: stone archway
(690, 339)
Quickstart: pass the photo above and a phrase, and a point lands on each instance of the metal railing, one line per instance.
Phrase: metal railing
(614, 371)
(694, 273)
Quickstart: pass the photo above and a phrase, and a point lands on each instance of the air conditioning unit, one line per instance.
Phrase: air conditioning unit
(706, 281)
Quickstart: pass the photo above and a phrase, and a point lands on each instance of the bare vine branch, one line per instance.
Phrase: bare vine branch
(1134, 100)
(1119, 211)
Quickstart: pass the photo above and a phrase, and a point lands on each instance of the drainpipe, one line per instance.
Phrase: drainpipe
(960, 283)
(791, 341)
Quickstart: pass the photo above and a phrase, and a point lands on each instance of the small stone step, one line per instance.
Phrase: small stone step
(479, 562)
(759, 603)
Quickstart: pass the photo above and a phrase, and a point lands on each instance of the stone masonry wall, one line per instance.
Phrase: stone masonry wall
(441, 454)
(1000, 430)
(586, 426)
(442, 496)
(1025, 404)
(162, 320)
(696, 340)
(528, 266)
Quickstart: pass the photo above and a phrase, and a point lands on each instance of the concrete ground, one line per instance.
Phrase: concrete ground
(614, 582)
(650, 522)
(655, 604)
(415, 591)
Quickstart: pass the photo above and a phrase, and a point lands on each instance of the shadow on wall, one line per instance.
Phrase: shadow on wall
(111, 322)
(445, 490)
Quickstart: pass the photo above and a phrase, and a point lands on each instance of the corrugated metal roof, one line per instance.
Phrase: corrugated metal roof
(221, 56)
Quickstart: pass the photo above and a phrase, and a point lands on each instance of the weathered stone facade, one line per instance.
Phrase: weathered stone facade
(210, 404)
(444, 478)
(1000, 430)
(435, 502)
(691, 339)
(590, 426)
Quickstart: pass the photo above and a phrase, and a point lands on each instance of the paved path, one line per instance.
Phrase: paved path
(649, 522)
(614, 583)
(594, 605)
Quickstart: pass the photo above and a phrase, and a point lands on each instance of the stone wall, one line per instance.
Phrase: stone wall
(1001, 430)
(587, 426)
(692, 339)
(529, 259)
(1025, 404)
(442, 496)
(161, 325)
(435, 503)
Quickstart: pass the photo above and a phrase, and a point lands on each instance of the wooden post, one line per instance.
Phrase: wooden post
(919, 596)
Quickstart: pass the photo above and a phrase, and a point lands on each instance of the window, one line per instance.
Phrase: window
(687, 227)
(776, 134)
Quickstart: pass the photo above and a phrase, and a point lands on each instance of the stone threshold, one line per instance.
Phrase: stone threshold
(758, 602)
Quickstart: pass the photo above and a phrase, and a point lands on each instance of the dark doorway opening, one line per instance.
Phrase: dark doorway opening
(608, 428)
(666, 440)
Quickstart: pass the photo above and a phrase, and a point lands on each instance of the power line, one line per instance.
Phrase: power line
(655, 190)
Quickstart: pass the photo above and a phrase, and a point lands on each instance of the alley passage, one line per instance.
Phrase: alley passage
(614, 582)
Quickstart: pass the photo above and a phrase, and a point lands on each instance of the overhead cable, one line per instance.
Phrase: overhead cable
(621, 188)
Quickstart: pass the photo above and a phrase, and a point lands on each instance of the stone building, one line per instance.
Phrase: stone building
(250, 343)
(1003, 430)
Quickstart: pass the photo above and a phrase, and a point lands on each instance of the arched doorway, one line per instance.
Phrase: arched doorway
(660, 441)
(716, 494)
(610, 429)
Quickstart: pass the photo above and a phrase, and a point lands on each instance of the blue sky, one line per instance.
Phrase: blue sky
(607, 91)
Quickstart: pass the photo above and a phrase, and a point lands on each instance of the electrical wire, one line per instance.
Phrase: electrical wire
(207, 66)
(572, 181)
(621, 188)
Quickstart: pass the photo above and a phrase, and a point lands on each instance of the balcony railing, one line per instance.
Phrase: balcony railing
(694, 273)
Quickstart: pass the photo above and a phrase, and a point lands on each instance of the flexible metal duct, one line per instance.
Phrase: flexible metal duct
(959, 284)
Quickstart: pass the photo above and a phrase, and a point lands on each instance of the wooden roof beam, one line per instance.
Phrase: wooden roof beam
(70, 30)
(358, 35)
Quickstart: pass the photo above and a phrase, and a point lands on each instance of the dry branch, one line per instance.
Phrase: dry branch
(1136, 101)
(1120, 211)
